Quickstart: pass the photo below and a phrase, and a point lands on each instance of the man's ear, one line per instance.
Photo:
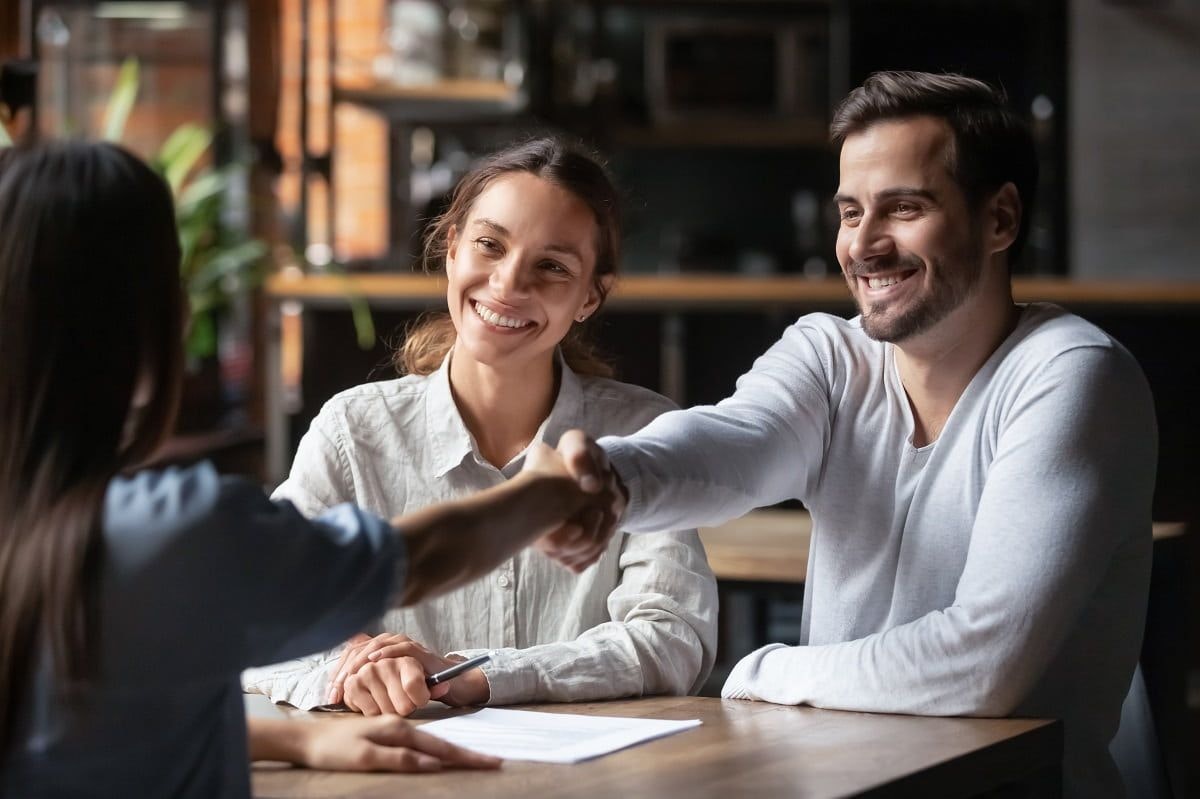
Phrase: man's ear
(1003, 219)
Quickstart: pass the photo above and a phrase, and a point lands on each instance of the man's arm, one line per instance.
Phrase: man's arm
(1067, 497)
(706, 465)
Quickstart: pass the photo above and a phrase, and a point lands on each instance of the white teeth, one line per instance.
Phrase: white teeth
(488, 315)
(882, 282)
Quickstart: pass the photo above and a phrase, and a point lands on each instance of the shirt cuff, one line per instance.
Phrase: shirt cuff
(745, 681)
(623, 458)
(303, 685)
(511, 678)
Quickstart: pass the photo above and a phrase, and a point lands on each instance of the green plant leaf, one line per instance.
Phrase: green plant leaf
(121, 101)
(181, 151)
(204, 187)
(364, 323)
(360, 310)
(238, 260)
(202, 336)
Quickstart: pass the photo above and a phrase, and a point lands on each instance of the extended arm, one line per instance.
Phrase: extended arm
(1065, 508)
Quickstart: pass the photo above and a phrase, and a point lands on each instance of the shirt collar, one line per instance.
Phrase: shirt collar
(450, 440)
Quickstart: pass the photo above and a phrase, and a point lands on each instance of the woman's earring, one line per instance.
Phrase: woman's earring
(581, 318)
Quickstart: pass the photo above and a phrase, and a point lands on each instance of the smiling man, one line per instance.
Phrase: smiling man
(979, 472)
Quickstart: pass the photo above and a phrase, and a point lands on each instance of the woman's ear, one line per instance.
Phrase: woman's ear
(451, 243)
(596, 295)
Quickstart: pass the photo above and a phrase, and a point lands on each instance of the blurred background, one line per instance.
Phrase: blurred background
(310, 142)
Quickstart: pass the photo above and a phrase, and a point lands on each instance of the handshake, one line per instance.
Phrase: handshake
(565, 502)
(582, 537)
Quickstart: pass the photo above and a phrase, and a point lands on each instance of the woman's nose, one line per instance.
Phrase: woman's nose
(509, 278)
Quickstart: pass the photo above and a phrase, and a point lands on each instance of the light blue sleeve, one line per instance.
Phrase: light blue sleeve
(250, 581)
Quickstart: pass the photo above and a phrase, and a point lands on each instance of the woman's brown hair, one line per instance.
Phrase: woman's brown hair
(557, 162)
(90, 306)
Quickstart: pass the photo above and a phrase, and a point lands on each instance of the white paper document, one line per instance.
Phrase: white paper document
(550, 737)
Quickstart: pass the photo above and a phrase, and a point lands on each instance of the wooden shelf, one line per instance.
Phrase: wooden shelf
(721, 292)
(444, 100)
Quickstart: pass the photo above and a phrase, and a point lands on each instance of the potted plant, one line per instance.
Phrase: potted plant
(219, 265)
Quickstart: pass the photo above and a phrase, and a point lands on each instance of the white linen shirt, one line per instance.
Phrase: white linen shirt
(640, 621)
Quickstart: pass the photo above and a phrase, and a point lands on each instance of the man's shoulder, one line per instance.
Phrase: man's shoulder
(1047, 331)
(834, 332)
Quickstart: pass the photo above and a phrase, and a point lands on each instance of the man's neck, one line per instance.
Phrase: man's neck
(502, 408)
(937, 366)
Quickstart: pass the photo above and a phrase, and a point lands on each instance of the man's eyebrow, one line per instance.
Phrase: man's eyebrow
(890, 194)
(906, 191)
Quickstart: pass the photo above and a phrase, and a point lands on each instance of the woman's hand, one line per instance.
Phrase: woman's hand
(386, 674)
(354, 744)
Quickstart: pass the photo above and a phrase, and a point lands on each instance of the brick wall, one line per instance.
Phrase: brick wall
(360, 164)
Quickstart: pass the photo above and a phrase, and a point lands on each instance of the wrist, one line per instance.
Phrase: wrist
(283, 740)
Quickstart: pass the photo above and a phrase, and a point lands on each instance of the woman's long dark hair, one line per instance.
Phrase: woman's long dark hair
(90, 306)
(556, 161)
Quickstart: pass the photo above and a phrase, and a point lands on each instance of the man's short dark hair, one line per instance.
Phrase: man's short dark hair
(992, 145)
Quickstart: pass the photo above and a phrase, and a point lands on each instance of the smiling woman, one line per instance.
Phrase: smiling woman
(545, 171)
(530, 246)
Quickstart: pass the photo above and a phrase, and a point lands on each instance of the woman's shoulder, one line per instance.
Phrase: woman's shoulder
(397, 389)
(361, 403)
(613, 405)
(161, 499)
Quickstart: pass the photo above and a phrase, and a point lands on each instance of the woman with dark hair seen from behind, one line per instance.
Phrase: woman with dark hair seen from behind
(104, 570)
(530, 245)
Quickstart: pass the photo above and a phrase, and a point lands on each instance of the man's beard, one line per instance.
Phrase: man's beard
(957, 278)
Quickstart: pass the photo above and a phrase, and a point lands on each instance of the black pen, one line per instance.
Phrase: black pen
(456, 669)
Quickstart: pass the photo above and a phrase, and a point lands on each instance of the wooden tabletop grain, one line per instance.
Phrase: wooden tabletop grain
(772, 545)
(743, 749)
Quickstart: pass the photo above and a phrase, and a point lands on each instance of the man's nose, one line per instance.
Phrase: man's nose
(870, 239)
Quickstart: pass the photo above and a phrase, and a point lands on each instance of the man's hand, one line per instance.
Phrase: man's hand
(452, 543)
(386, 674)
(583, 539)
(354, 744)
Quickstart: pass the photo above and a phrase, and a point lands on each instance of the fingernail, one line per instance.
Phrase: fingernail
(589, 483)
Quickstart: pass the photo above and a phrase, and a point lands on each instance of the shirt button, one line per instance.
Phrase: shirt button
(503, 581)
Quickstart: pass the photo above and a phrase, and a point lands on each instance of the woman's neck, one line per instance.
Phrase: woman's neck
(503, 408)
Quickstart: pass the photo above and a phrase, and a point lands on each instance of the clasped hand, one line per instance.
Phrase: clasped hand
(580, 541)
(386, 674)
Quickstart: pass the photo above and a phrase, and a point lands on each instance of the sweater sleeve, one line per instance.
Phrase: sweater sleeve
(1067, 494)
(709, 464)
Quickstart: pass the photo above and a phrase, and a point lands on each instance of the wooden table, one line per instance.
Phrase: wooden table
(771, 546)
(743, 749)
